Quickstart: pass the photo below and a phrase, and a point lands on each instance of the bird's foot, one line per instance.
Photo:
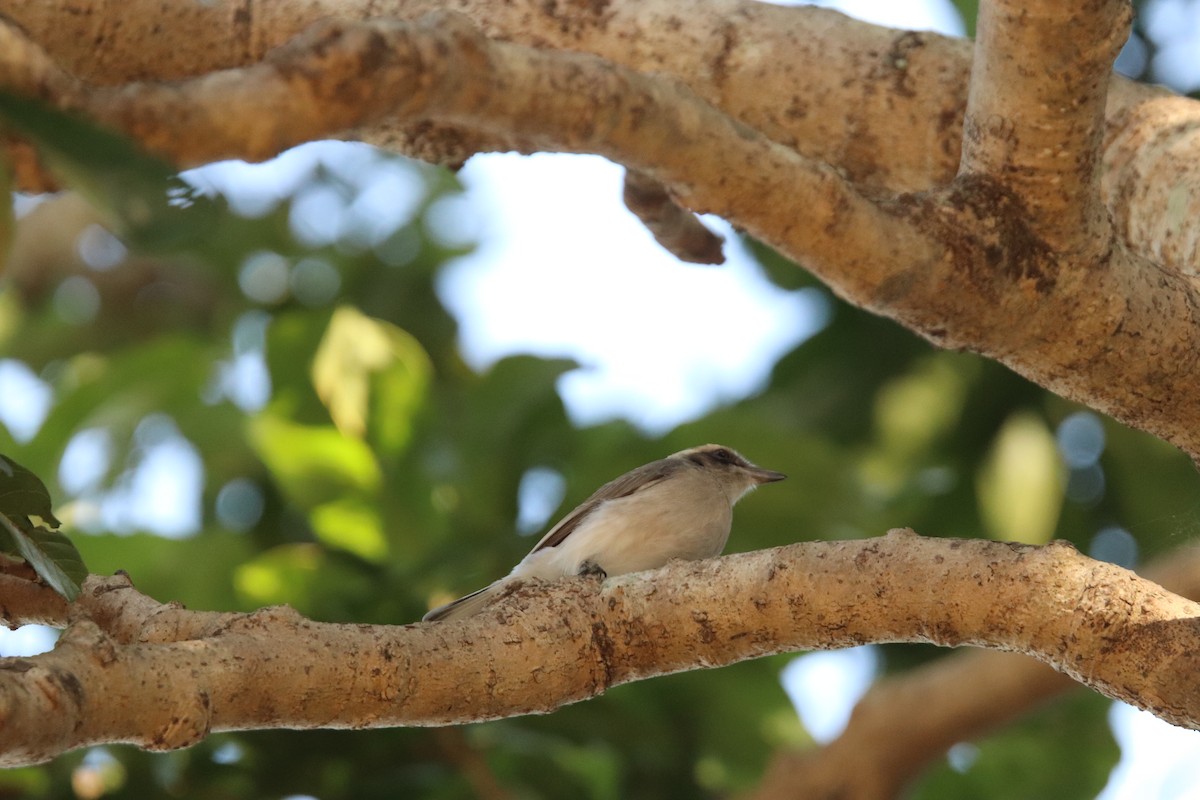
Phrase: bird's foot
(590, 569)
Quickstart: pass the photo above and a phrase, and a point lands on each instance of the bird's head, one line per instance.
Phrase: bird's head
(729, 468)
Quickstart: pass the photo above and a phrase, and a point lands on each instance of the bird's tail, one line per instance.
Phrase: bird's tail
(465, 606)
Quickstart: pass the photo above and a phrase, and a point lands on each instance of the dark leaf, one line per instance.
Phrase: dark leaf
(22, 494)
(50, 553)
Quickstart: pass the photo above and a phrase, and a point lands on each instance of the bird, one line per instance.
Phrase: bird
(678, 507)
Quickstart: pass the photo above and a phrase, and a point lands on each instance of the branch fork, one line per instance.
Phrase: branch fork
(1015, 258)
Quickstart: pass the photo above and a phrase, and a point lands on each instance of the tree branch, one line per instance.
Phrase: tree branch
(885, 106)
(1035, 112)
(1152, 179)
(676, 229)
(544, 647)
(808, 77)
(936, 706)
(958, 265)
(25, 601)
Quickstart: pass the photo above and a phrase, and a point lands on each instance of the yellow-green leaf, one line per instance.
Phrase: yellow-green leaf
(364, 365)
(314, 463)
(352, 526)
(1020, 486)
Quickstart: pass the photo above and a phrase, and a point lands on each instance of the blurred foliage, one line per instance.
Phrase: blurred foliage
(1064, 750)
(376, 475)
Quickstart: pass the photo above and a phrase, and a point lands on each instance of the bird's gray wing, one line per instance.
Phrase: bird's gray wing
(635, 480)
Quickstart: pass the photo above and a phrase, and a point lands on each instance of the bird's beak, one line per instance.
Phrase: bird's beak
(761, 475)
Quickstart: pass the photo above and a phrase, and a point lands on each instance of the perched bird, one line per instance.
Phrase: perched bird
(680, 506)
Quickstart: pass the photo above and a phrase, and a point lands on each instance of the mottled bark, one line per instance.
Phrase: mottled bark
(1012, 198)
(1014, 256)
(131, 670)
(951, 700)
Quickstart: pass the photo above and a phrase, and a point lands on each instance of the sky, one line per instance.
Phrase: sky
(553, 227)
(518, 291)
(564, 236)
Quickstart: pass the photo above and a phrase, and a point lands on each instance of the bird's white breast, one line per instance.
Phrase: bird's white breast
(686, 516)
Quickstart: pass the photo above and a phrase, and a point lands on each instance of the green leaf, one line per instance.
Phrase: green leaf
(969, 9)
(50, 553)
(22, 494)
(25, 782)
(292, 339)
(154, 564)
(351, 525)
(1020, 486)
(314, 464)
(358, 360)
(314, 581)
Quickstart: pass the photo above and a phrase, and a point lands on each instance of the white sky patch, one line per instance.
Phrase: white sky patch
(85, 460)
(565, 270)
(917, 15)
(1174, 26)
(25, 400)
(1158, 759)
(161, 494)
(824, 687)
(164, 491)
(28, 640)
(253, 190)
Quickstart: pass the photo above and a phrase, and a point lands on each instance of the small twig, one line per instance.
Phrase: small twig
(673, 227)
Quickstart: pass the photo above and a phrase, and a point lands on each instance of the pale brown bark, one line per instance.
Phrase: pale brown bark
(130, 670)
(1015, 258)
(1152, 171)
(955, 699)
(836, 142)
(672, 227)
(885, 106)
(1034, 125)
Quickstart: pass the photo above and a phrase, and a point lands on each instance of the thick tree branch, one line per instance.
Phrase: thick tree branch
(960, 265)
(1152, 180)
(807, 77)
(24, 601)
(954, 699)
(544, 647)
(885, 106)
(951, 700)
(1035, 112)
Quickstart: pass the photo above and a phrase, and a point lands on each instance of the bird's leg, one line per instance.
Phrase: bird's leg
(591, 569)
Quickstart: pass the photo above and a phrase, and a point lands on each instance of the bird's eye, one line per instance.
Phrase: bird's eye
(723, 456)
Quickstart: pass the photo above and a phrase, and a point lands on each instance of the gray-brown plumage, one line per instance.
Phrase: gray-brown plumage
(680, 506)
